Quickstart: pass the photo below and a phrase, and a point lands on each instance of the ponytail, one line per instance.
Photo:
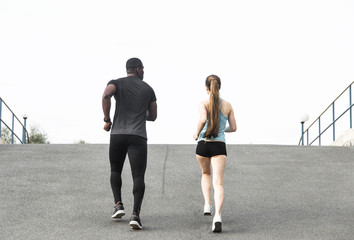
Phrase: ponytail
(213, 83)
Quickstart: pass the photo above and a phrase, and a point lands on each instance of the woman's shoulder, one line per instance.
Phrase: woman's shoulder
(225, 103)
(225, 107)
(204, 103)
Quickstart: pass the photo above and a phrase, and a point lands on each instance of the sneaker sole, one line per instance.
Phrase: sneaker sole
(118, 214)
(135, 225)
(207, 214)
(217, 227)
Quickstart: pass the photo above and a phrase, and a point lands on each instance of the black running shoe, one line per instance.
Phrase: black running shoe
(135, 222)
(118, 211)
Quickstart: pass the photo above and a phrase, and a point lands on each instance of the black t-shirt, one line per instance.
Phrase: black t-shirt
(133, 97)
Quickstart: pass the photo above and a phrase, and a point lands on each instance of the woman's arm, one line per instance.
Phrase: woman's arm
(202, 120)
(232, 122)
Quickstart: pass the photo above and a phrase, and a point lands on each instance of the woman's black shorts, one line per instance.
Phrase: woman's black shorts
(210, 148)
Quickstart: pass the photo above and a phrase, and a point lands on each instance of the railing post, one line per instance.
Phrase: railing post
(307, 136)
(0, 114)
(13, 126)
(304, 117)
(24, 130)
(302, 133)
(334, 124)
(350, 105)
(319, 131)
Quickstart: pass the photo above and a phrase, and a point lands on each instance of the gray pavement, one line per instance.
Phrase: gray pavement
(271, 192)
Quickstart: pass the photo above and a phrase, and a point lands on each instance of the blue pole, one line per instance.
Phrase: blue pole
(24, 131)
(319, 131)
(302, 133)
(334, 126)
(13, 126)
(350, 105)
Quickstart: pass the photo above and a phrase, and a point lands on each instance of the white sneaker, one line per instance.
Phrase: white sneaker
(217, 224)
(207, 210)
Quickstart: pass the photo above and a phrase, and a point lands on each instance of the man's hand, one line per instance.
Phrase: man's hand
(107, 126)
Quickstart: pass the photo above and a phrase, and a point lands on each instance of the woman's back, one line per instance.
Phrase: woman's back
(225, 109)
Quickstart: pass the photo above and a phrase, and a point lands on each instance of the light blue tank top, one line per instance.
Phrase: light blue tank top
(221, 134)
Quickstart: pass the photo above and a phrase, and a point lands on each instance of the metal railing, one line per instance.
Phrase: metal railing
(25, 137)
(334, 119)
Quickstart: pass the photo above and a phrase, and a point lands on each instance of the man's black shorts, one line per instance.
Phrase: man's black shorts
(210, 148)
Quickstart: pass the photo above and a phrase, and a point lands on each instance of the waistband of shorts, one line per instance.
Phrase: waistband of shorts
(210, 141)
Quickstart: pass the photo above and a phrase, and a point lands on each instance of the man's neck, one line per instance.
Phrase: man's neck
(133, 75)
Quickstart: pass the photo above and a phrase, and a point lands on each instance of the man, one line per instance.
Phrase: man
(135, 104)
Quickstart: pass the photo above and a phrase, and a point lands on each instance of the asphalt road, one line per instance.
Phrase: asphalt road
(271, 192)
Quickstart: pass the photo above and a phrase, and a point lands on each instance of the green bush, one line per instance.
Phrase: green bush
(36, 136)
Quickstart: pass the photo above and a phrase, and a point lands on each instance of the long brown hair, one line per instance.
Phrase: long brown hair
(213, 83)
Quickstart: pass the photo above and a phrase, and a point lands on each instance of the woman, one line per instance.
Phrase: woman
(211, 149)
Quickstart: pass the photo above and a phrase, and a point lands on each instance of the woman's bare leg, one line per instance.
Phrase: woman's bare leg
(204, 163)
(218, 164)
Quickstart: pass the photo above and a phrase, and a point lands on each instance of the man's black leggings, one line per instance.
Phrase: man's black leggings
(136, 147)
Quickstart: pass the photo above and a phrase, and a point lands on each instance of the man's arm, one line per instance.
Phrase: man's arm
(151, 113)
(106, 104)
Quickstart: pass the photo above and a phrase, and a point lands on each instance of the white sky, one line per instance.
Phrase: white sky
(277, 59)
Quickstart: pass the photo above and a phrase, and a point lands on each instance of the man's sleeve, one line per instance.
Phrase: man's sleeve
(153, 96)
(111, 82)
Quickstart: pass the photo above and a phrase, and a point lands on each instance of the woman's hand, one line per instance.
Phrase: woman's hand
(195, 136)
